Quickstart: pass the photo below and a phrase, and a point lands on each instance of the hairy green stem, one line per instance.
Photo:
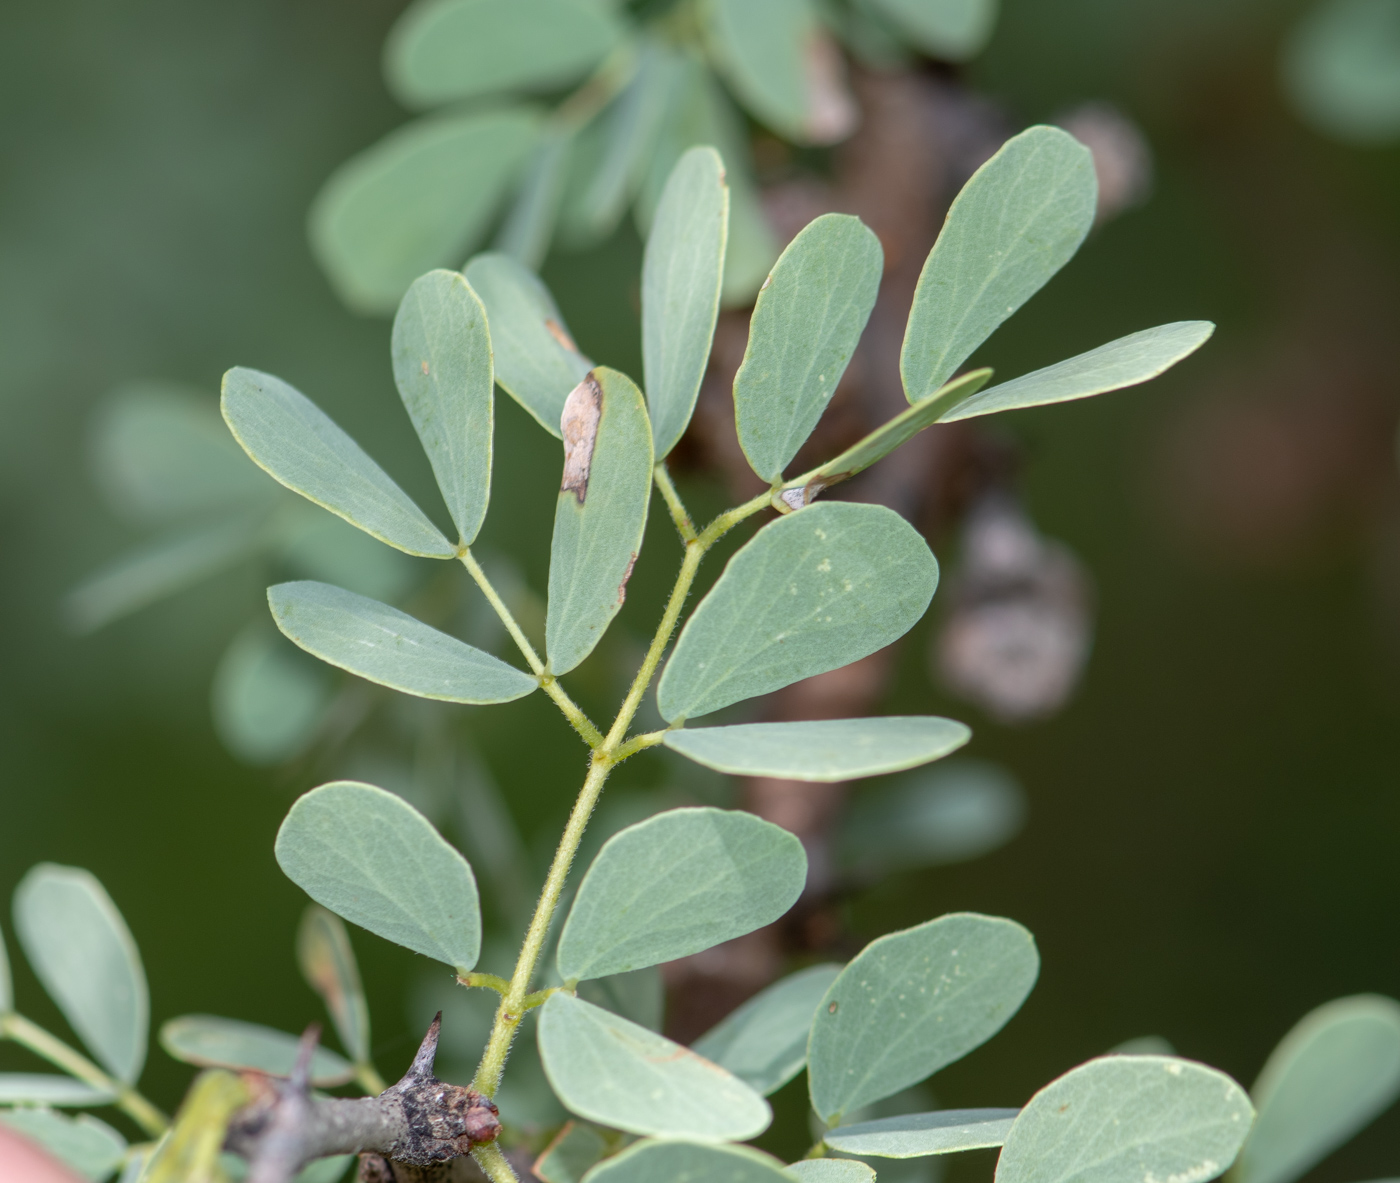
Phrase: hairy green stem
(606, 755)
(684, 526)
(490, 1159)
(548, 682)
(58, 1053)
(485, 982)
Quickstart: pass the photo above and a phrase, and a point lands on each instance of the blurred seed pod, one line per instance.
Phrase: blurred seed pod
(1122, 156)
(1018, 628)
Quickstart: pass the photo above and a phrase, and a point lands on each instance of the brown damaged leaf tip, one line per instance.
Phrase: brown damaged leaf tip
(560, 334)
(579, 427)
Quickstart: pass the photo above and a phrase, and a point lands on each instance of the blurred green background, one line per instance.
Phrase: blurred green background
(1211, 848)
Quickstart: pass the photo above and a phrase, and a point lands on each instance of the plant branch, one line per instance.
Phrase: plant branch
(639, 743)
(548, 682)
(684, 526)
(420, 1120)
(56, 1052)
(485, 982)
(606, 756)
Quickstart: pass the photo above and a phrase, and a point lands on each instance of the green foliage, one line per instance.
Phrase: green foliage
(676, 884)
(1341, 69)
(947, 814)
(830, 1170)
(442, 51)
(805, 327)
(764, 1041)
(375, 860)
(420, 198)
(648, 88)
(600, 515)
(537, 362)
(952, 29)
(612, 1071)
(1125, 362)
(1017, 222)
(328, 964)
(442, 366)
(1330, 1076)
(295, 441)
(681, 276)
(766, 52)
(387, 646)
(82, 951)
(811, 592)
(47, 1088)
(213, 1042)
(689, 1162)
(268, 701)
(822, 750)
(565, 1160)
(915, 1135)
(1128, 1115)
(817, 588)
(91, 1147)
(914, 1002)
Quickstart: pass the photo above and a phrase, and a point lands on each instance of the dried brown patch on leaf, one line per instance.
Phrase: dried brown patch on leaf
(626, 575)
(560, 334)
(579, 426)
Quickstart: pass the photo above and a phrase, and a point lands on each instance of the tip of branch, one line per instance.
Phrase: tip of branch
(301, 1074)
(422, 1066)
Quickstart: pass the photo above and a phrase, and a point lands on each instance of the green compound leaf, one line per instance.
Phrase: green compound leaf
(914, 1002)
(953, 30)
(81, 950)
(957, 811)
(675, 884)
(1331, 1075)
(299, 444)
(805, 327)
(1125, 362)
(384, 645)
(881, 442)
(778, 61)
(1341, 68)
(269, 701)
(420, 198)
(682, 271)
(764, 1042)
(442, 367)
(91, 1147)
(600, 515)
(567, 1158)
(808, 593)
(212, 1042)
(372, 858)
(537, 362)
(48, 1088)
(328, 964)
(688, 1162)
(830, 1170)
(618, 1074)
(825, 750)
(160, 452)
(1016, 222)
(440, 51)
(1124, 1117)
(915, 1135)
(158, 569)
